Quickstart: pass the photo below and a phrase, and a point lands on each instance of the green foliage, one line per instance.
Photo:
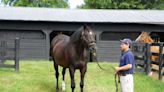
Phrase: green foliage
(123, 4)
(37, 3)
(160, 5)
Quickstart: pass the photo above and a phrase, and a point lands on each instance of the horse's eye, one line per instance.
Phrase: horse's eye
(92, 41)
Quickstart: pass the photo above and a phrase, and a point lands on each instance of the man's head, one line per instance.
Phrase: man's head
(125, 44)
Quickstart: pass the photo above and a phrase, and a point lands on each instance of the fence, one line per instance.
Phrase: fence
(5, 49)
(143, 56)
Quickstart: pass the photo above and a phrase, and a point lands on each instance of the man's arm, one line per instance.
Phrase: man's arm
(125, 67)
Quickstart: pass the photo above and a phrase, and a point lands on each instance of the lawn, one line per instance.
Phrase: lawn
(38, 76)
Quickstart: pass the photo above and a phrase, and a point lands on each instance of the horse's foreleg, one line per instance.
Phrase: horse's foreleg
(63, 82)
(72, 72)
(57, 76)
(82, 74)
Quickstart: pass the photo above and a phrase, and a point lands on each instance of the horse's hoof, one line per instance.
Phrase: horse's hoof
(63, 86)
(63, 89)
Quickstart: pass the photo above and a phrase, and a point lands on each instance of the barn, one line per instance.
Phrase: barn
(37, 26)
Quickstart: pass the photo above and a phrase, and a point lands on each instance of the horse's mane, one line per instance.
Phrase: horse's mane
(148, 38)
(75, 37)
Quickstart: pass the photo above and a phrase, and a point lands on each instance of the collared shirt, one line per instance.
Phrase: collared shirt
(127, 58)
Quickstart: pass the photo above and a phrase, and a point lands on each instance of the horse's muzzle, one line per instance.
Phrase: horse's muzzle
(92, 46)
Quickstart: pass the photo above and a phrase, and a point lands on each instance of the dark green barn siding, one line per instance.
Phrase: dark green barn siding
(109, 45)
(32, 43)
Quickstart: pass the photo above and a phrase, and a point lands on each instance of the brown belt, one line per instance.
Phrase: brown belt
(124, 74)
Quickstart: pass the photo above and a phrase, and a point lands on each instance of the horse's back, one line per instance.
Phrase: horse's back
(59, 38)
(58, 46)
(155, 49)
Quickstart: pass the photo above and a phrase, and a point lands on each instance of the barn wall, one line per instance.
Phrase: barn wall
(109, 44)
(108, 51)
(32, 43)
(36, 36)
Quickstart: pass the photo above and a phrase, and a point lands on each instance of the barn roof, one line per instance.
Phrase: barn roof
(82, 15)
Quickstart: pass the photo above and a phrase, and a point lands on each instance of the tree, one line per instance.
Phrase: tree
(123, 4)
(160, 6)
(37, 3)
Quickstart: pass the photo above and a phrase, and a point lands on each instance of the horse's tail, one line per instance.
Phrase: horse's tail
(50, 53)
(51, 49)
(53, 42)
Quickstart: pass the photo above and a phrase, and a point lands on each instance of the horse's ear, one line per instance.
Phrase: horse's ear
(143, 32)
(82, 33)
(87, 28)
(84, 27)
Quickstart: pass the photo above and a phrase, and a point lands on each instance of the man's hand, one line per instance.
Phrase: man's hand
(125, 67)
(116, 69)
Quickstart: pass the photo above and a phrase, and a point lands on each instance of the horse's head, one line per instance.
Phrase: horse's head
(144, 37)
(88, 38)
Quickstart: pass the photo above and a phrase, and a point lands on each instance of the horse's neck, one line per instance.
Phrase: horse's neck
(76, 36)
(79, 48)
(149, 40)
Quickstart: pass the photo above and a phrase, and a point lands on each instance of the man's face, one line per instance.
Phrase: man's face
(124, 46)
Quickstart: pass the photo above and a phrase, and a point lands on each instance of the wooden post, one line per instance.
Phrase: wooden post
(147, 55)
(47, 34)
(17, 45)
(98, 34)
(133, 50)
(145, 58)
(160, 61)
(3, 50)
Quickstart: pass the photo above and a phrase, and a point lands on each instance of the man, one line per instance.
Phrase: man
(126, 66)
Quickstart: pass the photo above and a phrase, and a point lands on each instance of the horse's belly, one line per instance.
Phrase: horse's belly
(62, 63)
(61, 60)
(58, 54)
(80, 64)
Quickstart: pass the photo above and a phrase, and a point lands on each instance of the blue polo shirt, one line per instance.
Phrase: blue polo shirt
(127, 58)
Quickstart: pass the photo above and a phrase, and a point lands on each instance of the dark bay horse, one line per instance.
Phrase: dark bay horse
(72, 53)
(144, 37)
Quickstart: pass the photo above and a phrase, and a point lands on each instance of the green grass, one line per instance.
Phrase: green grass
(38, 76)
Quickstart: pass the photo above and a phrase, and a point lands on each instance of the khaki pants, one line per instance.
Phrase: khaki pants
(127, 83)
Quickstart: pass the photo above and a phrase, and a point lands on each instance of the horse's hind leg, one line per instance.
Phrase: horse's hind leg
(57, 76)
(63, 82)
(82, 74)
